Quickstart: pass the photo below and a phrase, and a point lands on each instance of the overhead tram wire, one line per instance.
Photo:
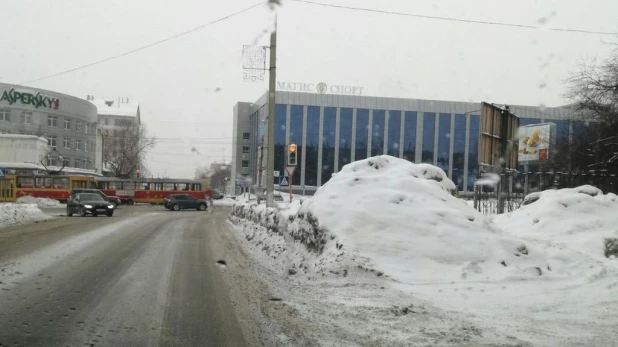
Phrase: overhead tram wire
(146, 46)
(454, 19)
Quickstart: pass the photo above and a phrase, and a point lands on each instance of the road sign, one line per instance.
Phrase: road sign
(284, 181)
(290, 170)
(276, 173)
(2, 172)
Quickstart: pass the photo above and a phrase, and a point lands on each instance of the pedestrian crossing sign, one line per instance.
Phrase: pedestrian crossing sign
(2, 172)
(284, 181)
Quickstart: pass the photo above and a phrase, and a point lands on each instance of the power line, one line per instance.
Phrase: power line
(454, 19)
(146, 46)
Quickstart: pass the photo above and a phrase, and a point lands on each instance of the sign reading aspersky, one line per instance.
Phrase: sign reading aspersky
(35, 99)
(321, 88)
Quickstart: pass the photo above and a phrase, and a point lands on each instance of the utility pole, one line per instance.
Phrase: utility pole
(270, 167)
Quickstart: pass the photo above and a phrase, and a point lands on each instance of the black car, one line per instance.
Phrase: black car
(89, 203)
(177, 202)
(113, 199)
(216, 195)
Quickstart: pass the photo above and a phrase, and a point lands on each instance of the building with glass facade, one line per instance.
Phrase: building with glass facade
(333, 130)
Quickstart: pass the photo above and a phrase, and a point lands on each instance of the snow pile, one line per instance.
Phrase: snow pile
(582, 220)
(12, 214)
(403, 217)
(40, 202)
(224, 202)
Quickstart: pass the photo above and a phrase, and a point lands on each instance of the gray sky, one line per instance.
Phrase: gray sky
(176, 82)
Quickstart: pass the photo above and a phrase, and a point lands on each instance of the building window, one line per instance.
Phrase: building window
(473, 149)
(5, 131)
(66, 142)
(86, 146)
(106, 121)
(362, 129)
(394, 127)
(245, 163)
(78, 126)
(51, 140)
(78, 145)
(313, 138)
(328, 143)
(52, 121)
(429, 135)
(444, 141)
(85, 164)
(245, 136)
(459, 150)
(280, 115)
(296, 136)
(5, 115)
(245, 149)
(25, 117)
(377, 129)
(409, 136)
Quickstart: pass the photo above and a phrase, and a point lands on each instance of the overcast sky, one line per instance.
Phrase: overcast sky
(188, 86)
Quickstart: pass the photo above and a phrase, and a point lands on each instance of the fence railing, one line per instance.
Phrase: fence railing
(506, 193)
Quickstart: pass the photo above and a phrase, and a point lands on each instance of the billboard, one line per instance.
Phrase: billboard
(498, 138)
(536, 142)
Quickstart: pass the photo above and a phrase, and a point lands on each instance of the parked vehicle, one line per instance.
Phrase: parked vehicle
(216, 195)
(113, 199)
(89, 203)
(177, 202)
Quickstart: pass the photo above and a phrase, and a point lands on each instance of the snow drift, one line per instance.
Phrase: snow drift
(402, 219)
(580, 219)
(12, 214)
(40, 202)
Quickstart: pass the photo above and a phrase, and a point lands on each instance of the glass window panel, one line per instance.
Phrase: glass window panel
(362, 126)
(296, 136)
(473, 151)
(409, 136)
(345, 136)
(394, 132)
(377, 132)
(313, 136)
(429, 135)
(328, 143)
(459, 148)
(280, 115)
(444, 141)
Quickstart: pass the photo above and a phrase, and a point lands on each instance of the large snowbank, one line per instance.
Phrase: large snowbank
(404, 219)
(579, 219)
(40, 202)
(12, 214)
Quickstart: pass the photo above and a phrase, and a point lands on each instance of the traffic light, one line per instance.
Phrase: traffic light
(137, 173)
(292, 155)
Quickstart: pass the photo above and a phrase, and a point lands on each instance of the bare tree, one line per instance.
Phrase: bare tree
(593, 91)
(124, 151)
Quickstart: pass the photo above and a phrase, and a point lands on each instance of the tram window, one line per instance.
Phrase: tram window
(79, 184)
(197, 187)
(43, 182)
(61, 182)
(25, 182)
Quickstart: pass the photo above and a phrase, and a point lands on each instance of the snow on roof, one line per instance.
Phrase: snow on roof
(23, 137)
(13, 165)
(110, 107)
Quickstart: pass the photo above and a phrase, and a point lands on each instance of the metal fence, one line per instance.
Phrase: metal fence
(506, 193)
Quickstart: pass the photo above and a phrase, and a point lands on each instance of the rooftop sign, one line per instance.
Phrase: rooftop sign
(321, 88)
(37, 99)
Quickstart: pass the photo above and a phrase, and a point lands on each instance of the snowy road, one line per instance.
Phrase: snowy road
(144, 277)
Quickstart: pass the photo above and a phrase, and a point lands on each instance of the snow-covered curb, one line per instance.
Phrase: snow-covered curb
(15, 214)
(40, 202)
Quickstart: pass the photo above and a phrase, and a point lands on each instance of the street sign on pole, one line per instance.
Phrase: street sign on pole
(284, 181)
(277, 173)
(2, 172)
(290, 170)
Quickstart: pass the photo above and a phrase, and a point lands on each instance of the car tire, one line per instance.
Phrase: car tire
(175, 207)
(202, 207)
(82, 212)
(130, 202)
(109, 214)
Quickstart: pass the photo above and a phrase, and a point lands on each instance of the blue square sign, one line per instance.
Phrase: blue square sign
(284, 181)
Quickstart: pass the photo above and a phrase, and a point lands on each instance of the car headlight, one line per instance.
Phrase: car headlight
(110, 206)
(88, 206)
